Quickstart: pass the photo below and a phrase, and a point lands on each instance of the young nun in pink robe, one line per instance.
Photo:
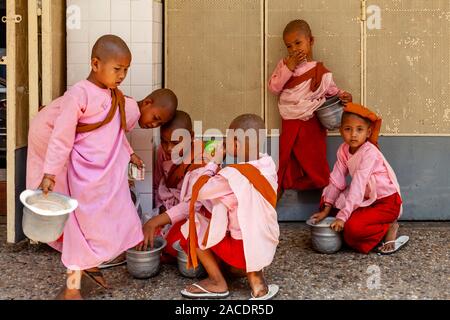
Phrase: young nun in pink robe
(302, 85)
(87, 144)
(368, 208)
(237, 222)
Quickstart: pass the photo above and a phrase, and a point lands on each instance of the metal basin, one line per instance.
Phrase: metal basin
(145, 264)
(323, 238)
(44, 217)
(330, 113)
(182, 264)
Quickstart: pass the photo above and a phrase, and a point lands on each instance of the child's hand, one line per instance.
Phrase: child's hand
(294, 59)
(319, 216)
(150, 228)
(345, 97)
(337, 225)
(134, 159)
(217, 156)
(47, 183)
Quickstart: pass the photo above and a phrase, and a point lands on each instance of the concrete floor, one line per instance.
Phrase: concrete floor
(421, 270)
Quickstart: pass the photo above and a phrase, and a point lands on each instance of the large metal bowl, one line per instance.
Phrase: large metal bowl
(146, 264)
(330, 113)
(44, 217)
(323, 238)
(182, 264)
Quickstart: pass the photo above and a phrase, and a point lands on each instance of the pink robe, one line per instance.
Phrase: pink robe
(300, 102)
(237, 207)
(372, 179)
(106, 223)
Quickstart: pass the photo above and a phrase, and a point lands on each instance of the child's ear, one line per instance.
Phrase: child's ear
(94, 64)
(311, 40)
(369, 132)
(147, 102)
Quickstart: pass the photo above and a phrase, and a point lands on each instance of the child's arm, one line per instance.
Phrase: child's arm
(279, 77)
(158, 174)
(335, 187)
(358, 186)
(150, 228)
(62, 138)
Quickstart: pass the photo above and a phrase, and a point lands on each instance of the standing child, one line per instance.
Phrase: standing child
(236, 224)
(369, 207)
(303, 85)
(88, 138)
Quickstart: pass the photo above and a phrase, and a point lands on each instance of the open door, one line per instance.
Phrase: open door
(17, 112)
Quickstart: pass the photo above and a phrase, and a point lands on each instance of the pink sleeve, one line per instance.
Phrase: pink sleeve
(333, 90)
(179, 212)
(217, 187)
(63, 135)
(337, 179)
(358, 186)
(132, 113)
(127, 145)
(279, 77)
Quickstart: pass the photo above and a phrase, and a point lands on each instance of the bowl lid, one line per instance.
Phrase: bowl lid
(54, 204)
(325, 223)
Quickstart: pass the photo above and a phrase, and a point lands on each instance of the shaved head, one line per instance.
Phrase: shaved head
(109, 47)
(300, 26)
(181, 120)
(248, 121)
(164, 98)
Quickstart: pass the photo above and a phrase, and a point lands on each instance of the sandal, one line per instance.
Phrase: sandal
(205, 294)
(96, 277)
(398, 244)
(118, 261)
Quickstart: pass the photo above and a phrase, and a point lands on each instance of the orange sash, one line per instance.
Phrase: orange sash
(315, 74)
(253, 175)
(118, 100)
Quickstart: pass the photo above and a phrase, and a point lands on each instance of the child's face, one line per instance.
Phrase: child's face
(355, 131)
(153, 116)
(298, 42)
(183, 143)
(112, 72)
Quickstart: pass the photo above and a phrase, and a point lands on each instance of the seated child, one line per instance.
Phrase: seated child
(171, 174)
(78, 144)
(303, 85)
(236, 226)
(368, 208)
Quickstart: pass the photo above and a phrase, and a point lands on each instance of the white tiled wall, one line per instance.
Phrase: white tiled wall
(139, 23)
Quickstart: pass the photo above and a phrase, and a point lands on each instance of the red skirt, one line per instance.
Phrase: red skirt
(303, 161)
(229, 250)
(367, 226)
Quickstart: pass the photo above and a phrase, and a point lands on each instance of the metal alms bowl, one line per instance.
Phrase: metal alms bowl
(146, 264)
(323, 238)
(44, 217)
(330, 113)
(182, 264)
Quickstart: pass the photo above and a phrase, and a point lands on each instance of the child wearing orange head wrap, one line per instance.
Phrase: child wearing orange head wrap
(367, 209)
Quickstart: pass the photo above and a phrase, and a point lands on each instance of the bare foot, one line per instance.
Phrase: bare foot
(69, 294)
(210, 285)
(258, 284)
(391, 235)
